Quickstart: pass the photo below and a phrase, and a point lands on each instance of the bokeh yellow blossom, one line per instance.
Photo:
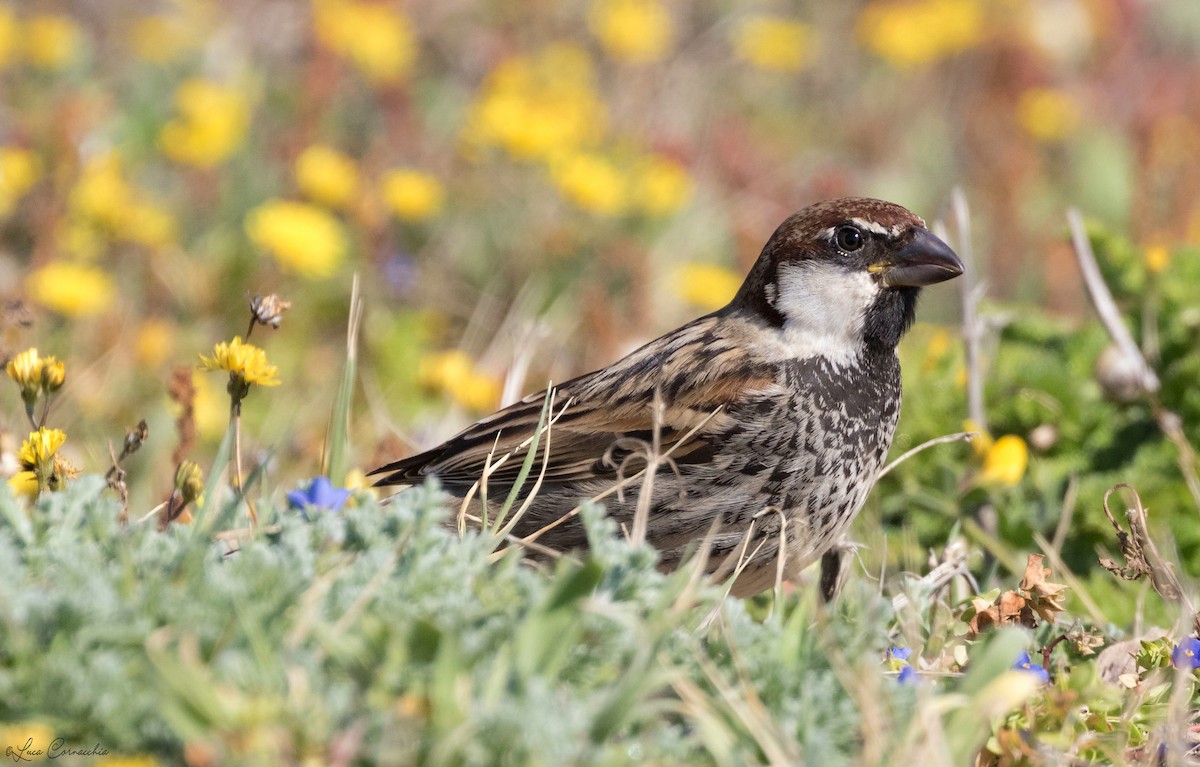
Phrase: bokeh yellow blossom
(51, 41)
(24, 484)
(936, 349)
(591, 182)
(1047, 114)
(774, 43)
(635, 31)
(146, 223)
(20, 169)
(537, 107)
(659, 186)
(910, 34)
(136, 760)
(376, 37)
(210, 408)
(10, 36)
(153, 343)
(303, 238)
(101, 194)
(412, 195)
(325, 175)
(707, 286)
(74, 290)
(982, 443)
(211, 125)
(454, 373)
(1157, 257)
(245, 361)
(1005, 462)
(20, 733)
(103, 198)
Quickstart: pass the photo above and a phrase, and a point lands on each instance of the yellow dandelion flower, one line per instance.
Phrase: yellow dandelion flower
(54, 373)
(51, 41)
(707, 286)
(74, 290)
(246, 362)
(153, 343)
(454, 373)
(660, 186)
(538, 107)
(1157, 257)
(101, 194)
(412, 195)
(774, 44)
(303, 238)
(24, 484)
(327, 176)
(212, 123)
(148, 224)
(910, 34)
(1005, 462)
(590, 182)
(39, 449)
(1047, 114)
(377, 38)
(20, 169)
(10, 36)
(25, 369)
(636, 31)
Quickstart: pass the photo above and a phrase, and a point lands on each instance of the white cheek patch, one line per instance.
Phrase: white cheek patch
(824, 307)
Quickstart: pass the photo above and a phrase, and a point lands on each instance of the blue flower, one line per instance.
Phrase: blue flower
(1186, 654)
(899, 653)
(1025, 664)
(907, 676)
(321, 494)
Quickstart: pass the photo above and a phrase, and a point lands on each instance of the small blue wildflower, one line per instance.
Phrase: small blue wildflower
(899, 653)
(907, 676)
(1186, 654)
(1025, 664)
(321, 494)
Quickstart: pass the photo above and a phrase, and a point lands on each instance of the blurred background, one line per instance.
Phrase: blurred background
(528, 189)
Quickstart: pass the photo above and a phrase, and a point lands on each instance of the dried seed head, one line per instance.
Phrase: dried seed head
(268, 310)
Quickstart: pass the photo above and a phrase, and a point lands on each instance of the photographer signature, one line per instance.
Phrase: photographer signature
(27, 752)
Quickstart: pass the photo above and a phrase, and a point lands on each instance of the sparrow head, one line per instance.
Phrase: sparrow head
(845, 272)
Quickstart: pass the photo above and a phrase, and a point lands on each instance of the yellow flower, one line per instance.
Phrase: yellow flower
(245, 361)
(146, 223)
(25, 369)
(1005, 462)
(590, 182)
(327, 176)
(538, 107)
(910, 34)
(1158, 258)
(40, 447)
(1047, 114)
(24, 483)
(660, 186)
(303, 238)
(71, 289)
(412, 195)
(79, 238)
(10, 36)
(153, 343)
(101, 193)
(377, 38)
(51, 41)
(37, 734)
(454, 373)
(636, 31)
(211, 124)
(981, 444)
(707, 286)
(20, 169)
(54, 373)
(773, 43)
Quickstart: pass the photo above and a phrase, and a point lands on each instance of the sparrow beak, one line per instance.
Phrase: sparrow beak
(925, 260)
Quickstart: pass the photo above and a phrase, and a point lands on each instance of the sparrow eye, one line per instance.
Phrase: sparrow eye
(848, 238)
